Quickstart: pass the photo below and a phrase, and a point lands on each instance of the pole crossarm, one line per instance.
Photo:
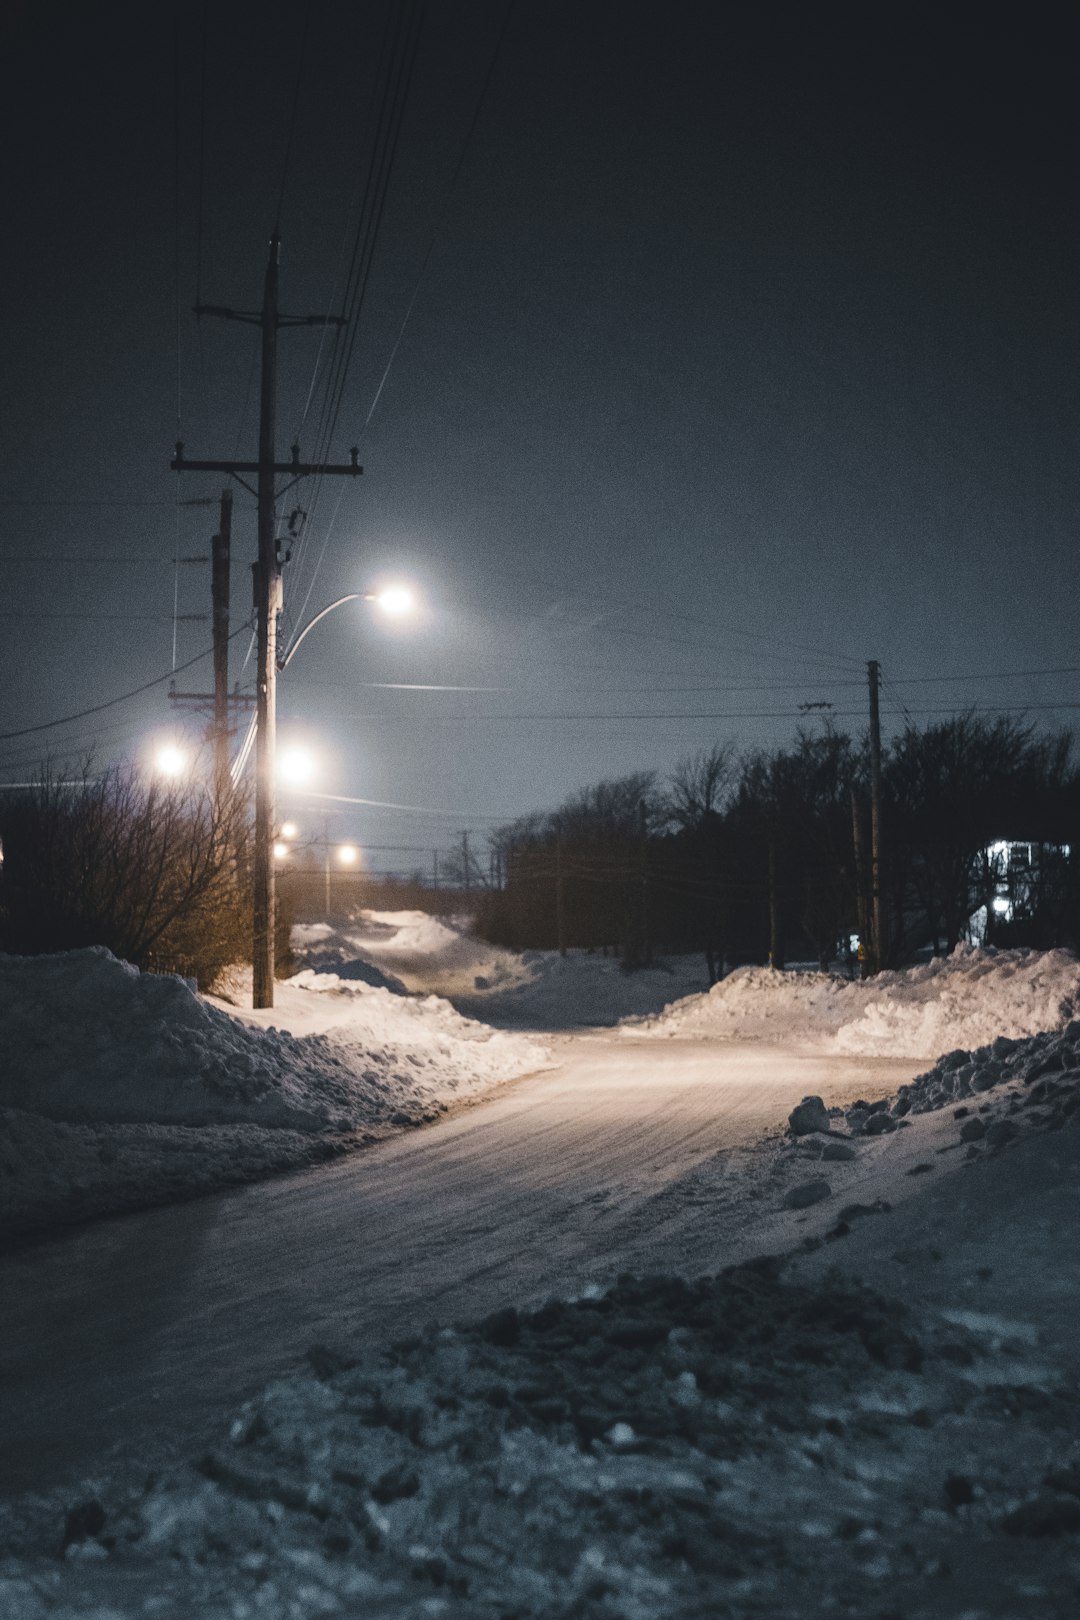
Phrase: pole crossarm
(255, 318)
(299, 469)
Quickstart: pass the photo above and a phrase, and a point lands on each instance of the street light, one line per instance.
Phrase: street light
(170, 760)
(289, 829)
(295, 766)
(396, 600)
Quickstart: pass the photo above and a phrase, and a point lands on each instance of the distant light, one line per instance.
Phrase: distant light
(348, 854)
(170, 760)
(295, 766)
(1001, 905)
(280, 850)
(396, 599)
(289, 829)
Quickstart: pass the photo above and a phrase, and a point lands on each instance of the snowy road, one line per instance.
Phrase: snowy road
(631, 1155)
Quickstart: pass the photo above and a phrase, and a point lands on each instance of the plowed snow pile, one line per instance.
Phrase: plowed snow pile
(965, 1000)
(528, 990)
(92, 1047)
(423, 953)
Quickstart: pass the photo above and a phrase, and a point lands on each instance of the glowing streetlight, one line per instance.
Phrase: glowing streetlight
(289, 829)
(281, 850)
(348, 854)
(295, 767)
(170, 760)
(396, 600)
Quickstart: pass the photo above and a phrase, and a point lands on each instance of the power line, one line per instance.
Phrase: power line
(11, 500)
(150, 618)
(730, 714)
(125, 697)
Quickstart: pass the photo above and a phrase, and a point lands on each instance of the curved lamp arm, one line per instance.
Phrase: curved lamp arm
(353, 596)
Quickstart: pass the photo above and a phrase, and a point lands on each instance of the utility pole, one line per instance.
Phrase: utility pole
(643, 828)
(875, 816)
(435, 870)
(219, 703)
(465, 867)
(268, 593)
(860, 886)
(219, 593)
(774, 916)
(560, 899)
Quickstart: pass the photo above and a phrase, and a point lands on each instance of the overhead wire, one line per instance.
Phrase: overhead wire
(401, 52)
(112, 703)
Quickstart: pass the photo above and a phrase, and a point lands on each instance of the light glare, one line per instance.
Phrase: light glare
(280, 850)
(348, 854)
(295, 766)
(170, 760)
(289, 829)
(396, 599)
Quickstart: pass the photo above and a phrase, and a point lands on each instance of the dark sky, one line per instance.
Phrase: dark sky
(746, 349)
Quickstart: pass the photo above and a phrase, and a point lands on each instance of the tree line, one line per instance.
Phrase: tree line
(765, 854)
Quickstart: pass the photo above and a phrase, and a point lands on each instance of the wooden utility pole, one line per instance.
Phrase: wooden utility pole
(774, 910)
(560, 898)
(860, 886)
(875, 818)
(268, 593)
(466, 868)
(219, 593)
(643, 833)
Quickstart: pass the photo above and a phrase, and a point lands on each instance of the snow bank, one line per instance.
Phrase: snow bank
(743, 1444)
(91, 1042)
(423, 953)
(535, 989)
(965, 1000)
(1018, 1085)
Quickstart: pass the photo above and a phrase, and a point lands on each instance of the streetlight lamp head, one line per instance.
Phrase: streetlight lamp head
(396, 600)
(289, 829)
(348, 854)
(280, 850)
(170, 760)
(295, 766)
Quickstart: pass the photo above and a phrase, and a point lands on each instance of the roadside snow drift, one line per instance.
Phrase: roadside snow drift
(964, 1000)
(92, 1045)
(533, 989)
(420, 952)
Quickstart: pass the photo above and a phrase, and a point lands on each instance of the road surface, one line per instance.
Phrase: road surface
(141, 1333)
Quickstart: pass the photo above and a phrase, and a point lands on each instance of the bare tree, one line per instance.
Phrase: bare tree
(700, 786)
(157, 873)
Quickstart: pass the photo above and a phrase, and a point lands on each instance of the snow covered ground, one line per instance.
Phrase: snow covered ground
(121, 1088)
(534, 989)
(964, 1000)
(886, 1423)
(790, 1440)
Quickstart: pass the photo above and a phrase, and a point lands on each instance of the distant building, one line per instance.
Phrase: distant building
(1016, 874)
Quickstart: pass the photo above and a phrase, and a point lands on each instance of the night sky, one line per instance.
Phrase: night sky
(744, 348)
